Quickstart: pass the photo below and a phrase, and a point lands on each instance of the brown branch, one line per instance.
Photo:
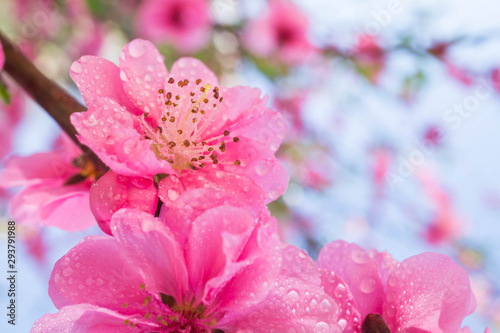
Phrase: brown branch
(50, 96)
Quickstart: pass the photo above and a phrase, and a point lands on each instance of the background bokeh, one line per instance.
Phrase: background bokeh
(394, 125)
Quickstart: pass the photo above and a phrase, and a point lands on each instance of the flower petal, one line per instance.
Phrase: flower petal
(360, 272)
(82, 318)
(97, 78)
(143, 73)
(151, 248)
(113, 192)
(97, 271)
(427, 292)
(114, 135)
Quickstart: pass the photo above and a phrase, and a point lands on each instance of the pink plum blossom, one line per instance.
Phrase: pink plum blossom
(202, 267)
(55, 187)
(282, 32)
(184, 23)
(424, 293)
(179, 128)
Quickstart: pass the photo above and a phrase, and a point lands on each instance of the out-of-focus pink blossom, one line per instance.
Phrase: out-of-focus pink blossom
(10, 116)
(433, 136)
(56, 188)
(459, 73)
(424, 293)
(2, 57)
(495, 79)
(113, 192)
(184, 23)
(382, 158)
(35, 243)
(446, 225)
(369, 57)
(291, 108)
(179, 128)
(282, 32)
(204, 266)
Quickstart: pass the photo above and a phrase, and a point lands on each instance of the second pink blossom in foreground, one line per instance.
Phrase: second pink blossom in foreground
(204, 267)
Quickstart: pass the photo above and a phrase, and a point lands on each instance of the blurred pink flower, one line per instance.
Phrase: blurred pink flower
(179, 128)
(184, 23)
(10, 117)
(203, 267)
(282, 32)
(2, 57)
(56, 185)
(445, 225)
(369, 57)
(424, 293)
(291, 108)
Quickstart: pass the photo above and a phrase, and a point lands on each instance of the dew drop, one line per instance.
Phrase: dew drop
(136, 48)
(173, 194)
(76, 67)
(368, 285)
(123, 76)
(293, 295)
(321, 327)
(67, 271)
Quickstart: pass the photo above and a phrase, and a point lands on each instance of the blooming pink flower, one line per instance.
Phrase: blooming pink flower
(282, 31)
(2, 57)
(46, 199)
(179, 127)
(203, 267)
(424, 293)
(184, 23)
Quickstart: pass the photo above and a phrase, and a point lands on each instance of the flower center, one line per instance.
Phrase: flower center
(184, 133)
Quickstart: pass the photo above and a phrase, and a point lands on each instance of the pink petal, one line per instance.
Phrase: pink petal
(193, 69)
(37, 169)
(150, 247)
(242, 188)
(250, 283)
(143, 73)
(113, 192)
(54, 206)
(427, 292)
(262, 167)
(355, 267)
(220, 234)
(191, 204)
(113, 134)
(97, 271)
(386, 264)
(98, 78)
(296, 303)
(348, 316)
(82, 318)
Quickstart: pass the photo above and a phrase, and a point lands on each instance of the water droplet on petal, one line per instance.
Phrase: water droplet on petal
(136, 48)
(123, 76)
(67, 272)
(76, 67)
(321, 327)
(368, 285)
(293, 295)
(173, 194)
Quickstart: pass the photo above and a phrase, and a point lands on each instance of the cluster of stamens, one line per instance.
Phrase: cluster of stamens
(186, 114)
(186, 316)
